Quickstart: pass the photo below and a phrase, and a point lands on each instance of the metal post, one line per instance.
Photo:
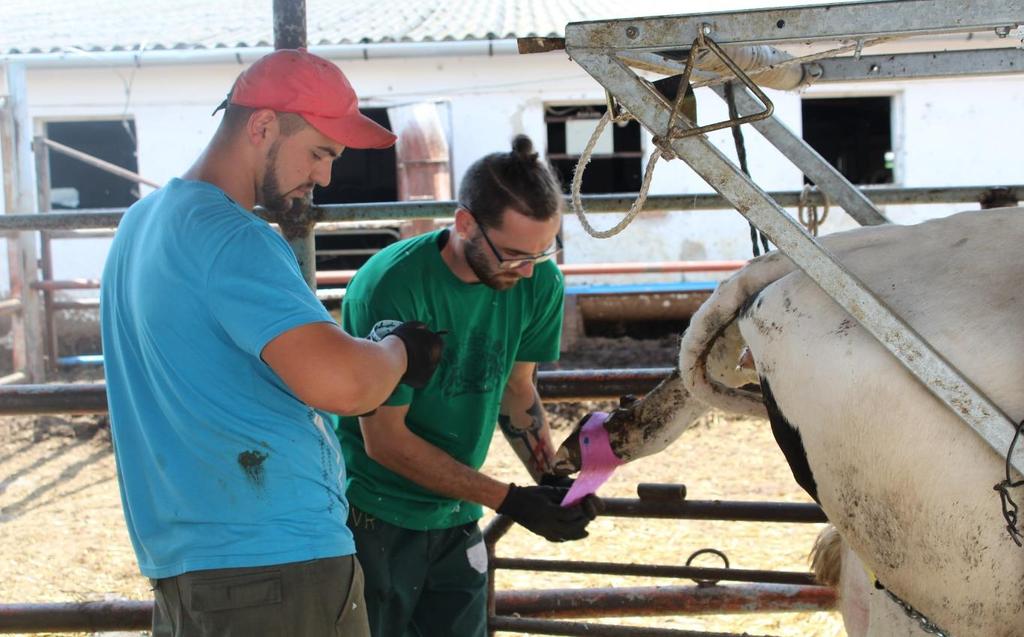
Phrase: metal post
(936, 373)
(290, 33)
(43, 200)
(16, 156)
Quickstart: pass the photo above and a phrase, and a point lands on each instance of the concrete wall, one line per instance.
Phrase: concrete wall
(946, 133)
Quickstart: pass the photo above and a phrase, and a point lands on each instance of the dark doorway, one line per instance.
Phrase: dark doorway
(358, 176)
(362, 175)
(615, 165)
(75, 184)
(854, 134)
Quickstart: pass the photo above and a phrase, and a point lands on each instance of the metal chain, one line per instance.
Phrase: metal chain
(1010, 509)
(918, 618)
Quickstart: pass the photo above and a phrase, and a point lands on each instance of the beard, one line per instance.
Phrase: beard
(479, 261)
(271, 197)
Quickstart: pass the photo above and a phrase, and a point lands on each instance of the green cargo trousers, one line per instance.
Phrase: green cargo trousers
(422, 583)
(318, 598)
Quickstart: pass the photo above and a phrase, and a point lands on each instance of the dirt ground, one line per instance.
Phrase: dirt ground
(63, 537)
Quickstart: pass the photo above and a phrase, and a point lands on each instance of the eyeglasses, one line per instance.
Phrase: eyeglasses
(514, 263)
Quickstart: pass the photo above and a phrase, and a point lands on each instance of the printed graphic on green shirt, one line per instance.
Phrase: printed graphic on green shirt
(479, 369)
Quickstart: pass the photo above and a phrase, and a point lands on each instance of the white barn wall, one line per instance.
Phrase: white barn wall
(946, 133)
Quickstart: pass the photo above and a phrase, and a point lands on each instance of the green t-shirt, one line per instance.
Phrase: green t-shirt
(488, 331)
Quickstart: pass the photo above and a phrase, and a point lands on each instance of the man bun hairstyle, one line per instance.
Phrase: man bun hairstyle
(518, 179)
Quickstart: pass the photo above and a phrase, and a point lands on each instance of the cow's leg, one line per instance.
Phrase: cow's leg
(641, 428)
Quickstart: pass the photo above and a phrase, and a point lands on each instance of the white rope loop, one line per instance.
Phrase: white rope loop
(577, 182)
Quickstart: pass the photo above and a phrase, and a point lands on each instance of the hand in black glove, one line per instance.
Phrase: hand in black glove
(557, 481)
(423, 348)
(539, 510)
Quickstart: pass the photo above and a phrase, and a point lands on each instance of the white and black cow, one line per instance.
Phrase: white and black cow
(908, 485)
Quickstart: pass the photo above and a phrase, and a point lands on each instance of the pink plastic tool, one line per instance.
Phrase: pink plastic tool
(598, 459)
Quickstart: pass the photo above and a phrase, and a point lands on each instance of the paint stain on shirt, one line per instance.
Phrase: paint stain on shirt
(252, 464)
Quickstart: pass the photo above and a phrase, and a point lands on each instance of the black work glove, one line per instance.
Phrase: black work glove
(539, 510)
(559, 482)
(423, 348)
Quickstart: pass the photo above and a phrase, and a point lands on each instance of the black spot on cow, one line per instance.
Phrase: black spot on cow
(788, 439)
(844, 327)
(753, 302)
(252, 464)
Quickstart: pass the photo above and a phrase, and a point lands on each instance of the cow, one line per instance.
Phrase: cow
(907, 484)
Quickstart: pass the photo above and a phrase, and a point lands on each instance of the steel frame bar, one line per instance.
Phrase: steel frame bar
(937, 375)
(828, 180)
(916, 66)
(107, 218)
(896, 66)
(888, 18)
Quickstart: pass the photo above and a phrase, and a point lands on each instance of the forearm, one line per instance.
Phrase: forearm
(417, 460)
(331, 370)
(523, 422)
(371, 373)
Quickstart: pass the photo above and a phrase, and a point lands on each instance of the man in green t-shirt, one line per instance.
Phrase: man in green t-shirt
(413, 480)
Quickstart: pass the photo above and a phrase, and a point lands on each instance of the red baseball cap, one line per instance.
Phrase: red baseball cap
(296, 81)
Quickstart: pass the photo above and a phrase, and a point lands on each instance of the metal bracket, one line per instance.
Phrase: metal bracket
(673, 131)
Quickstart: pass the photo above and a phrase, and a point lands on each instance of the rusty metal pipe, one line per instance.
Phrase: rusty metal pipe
(655, 570)
(555, 386)
(664, 600)
(745, 511)
(76, 617)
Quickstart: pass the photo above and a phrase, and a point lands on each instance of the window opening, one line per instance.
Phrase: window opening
(854, 134)
(75, 184)
(616, 164)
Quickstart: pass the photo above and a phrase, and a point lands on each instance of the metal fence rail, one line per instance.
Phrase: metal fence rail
(555, 386)
(531, 610)
(410, 210)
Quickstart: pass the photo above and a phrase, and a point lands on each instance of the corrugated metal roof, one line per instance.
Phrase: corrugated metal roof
(44, 26)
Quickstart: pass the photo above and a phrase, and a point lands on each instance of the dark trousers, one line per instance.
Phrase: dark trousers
(422, 583)
(318, 598)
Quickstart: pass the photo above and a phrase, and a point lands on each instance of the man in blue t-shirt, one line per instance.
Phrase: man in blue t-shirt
(218, 358)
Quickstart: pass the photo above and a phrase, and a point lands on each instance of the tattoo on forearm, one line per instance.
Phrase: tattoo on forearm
(527, 433)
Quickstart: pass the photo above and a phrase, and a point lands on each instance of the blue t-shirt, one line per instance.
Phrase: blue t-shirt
(220, 465)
